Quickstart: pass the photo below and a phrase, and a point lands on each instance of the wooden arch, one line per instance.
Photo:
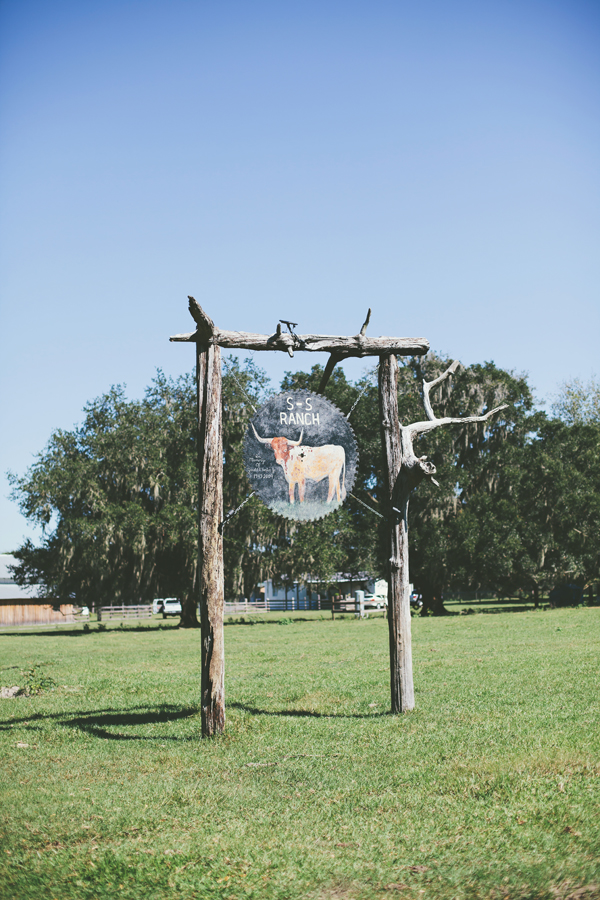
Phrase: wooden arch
(398, 458)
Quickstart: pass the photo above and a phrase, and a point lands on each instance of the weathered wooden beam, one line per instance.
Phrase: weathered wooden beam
(210, 540)
(335, 358)
(399, 625)
(357, 345)
(354, 345)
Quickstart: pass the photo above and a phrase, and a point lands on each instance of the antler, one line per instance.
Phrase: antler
(433, 422)
(414, 469)
(427, 385)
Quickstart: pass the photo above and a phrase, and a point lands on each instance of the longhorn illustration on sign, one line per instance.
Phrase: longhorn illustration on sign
(300, 455)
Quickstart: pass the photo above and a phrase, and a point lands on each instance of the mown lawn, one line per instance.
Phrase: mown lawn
(490, 788)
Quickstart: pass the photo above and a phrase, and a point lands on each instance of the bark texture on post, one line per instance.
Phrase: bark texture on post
(210, 540)
(401, 674)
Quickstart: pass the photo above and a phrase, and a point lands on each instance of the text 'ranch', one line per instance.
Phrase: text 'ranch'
(298, 412)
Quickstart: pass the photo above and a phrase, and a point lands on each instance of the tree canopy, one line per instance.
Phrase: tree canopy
(577, 403)
(517, 504)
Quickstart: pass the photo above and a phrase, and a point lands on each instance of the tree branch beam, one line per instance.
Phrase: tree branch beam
(313, 343)
(363, 330)
(335, 358)
(352, 346)
(332, 362)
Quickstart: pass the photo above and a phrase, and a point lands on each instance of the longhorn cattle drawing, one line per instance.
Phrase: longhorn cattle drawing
(300, 463)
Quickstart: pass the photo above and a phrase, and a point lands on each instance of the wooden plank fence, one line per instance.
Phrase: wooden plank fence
(246, 606)
(125, 612)
(280, 605)
(350, 605)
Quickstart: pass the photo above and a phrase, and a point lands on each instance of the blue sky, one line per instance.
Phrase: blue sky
(439, 162)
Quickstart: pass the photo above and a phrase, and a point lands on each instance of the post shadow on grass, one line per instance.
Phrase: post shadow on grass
(305, 713)
(94, 629)
(96, 722)
(100, 628)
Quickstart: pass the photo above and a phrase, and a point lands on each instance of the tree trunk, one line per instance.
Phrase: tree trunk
(401, 676)
(432, 601)
(210, 540)
(189, 603)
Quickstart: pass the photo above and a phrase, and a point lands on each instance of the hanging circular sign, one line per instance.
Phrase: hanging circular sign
(300, 455)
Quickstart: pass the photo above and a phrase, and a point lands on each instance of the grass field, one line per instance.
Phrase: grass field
(490, 788)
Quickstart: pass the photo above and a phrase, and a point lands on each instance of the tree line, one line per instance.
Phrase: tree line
(517, 507)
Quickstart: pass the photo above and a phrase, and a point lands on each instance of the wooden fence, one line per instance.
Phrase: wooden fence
(124, 612)
(353, 606)
(246, 606)
(35, 613)
(350, 605)
(290, 605)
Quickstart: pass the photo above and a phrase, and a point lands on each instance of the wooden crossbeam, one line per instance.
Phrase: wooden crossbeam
(357, 345)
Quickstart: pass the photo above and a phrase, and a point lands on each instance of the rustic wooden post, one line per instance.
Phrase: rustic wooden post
(404, 471)
(398, 615)
(210, 540)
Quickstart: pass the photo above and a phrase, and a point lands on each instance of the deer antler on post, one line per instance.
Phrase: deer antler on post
(414, 469)
(404, 471)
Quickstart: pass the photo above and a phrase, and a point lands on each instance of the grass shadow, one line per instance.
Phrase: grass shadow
(97, 722)
(305, 713)
(79, 631)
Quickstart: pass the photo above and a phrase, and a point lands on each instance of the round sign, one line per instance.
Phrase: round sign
(300, 455)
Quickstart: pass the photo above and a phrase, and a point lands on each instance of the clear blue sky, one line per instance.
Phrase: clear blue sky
(437, 161)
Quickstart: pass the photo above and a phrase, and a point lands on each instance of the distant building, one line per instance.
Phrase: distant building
(23, 605)
(305, 594)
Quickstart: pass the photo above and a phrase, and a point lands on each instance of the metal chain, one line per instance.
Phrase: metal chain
(370, 508)
(235, 511)
(364, 390)
(241, 387)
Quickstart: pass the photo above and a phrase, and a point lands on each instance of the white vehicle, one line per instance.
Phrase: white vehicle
(170, 606)
(372, 601)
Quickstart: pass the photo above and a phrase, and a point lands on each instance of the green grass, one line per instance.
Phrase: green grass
(490, 788)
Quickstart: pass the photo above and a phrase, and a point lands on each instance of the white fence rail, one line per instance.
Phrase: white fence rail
(124, 612)
(349, 605)
(247, 607)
